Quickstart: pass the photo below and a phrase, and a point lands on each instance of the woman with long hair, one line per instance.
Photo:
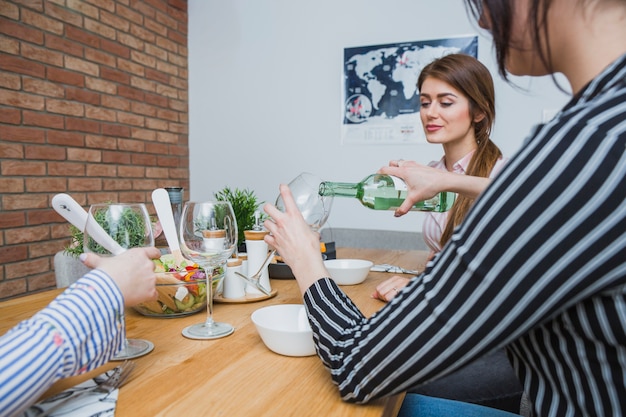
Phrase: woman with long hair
(538, 265)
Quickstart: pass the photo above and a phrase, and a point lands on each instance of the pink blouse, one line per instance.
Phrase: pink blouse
(434, 223)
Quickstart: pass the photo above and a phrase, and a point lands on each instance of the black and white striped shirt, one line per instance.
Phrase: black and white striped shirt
(538, 267)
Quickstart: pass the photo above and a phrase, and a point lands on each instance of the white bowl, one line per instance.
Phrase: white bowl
(348, 271)
(284, 328)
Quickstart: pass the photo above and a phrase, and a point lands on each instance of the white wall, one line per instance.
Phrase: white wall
(265, 94)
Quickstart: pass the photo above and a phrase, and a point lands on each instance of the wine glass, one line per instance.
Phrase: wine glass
(314, 207)
(123, 226)
(208, 236)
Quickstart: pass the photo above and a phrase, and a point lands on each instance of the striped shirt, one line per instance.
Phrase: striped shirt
(538, 267)
(80, 330)
(435, 223)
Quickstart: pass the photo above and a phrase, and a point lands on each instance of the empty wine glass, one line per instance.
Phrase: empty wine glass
(314, 207)
(208, 236)
(128, 226)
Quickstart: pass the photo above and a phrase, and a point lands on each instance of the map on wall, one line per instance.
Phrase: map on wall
(380, 98)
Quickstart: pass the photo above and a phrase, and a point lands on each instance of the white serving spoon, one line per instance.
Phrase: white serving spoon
(163, 206)
(71, 211)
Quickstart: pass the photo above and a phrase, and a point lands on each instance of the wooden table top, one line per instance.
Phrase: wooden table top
(235, 375)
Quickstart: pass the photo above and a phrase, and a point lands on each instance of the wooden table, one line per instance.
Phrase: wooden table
(236, 375)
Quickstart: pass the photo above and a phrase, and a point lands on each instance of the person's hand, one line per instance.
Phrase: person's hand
(389, 288)
(423, 182)
(132, 271)
(293, 239)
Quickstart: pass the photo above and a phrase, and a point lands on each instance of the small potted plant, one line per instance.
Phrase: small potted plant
(245, 205)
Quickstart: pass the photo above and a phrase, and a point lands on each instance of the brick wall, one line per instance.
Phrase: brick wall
(93, 103)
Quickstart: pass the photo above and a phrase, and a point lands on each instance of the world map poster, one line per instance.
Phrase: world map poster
(380, 98)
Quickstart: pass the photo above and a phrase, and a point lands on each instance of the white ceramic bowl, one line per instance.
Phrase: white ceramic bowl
(284, 328)
(348, 271)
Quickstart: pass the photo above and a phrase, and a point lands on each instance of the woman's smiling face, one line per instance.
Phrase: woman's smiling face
(445, 113)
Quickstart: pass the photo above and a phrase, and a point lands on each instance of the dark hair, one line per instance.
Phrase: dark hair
(471, 78)
(498, 16)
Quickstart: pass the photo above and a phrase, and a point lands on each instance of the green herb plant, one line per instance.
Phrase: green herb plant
(131, 221)
(244, 204)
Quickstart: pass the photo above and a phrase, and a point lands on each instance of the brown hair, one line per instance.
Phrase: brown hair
(471, 78)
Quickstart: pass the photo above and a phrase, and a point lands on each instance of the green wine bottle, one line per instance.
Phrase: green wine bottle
(384, 192)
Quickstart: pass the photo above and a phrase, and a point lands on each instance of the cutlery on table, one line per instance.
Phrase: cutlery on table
(117, 378)
(394, 269)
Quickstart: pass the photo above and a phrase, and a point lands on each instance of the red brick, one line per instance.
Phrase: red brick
(44, 152)
(143, 159)
(101, 197)
(63, 76)
(11, 81)
(63, 14)
(156, 99)
(82, 95)
(44, 88)
(20, 31)
(130, 92)
(82, 125)
(129, 14)
(117, 158)
(143, 134)
(66, 46)
(58, 137)
(115, 130)
(100, 113)
(117, 22)
(10, 116)
(130, 119)
(11, 219)
(100, 57)
(12, 288)
(117, 184)
(45, 185)
(132, 42)
(66, 169)
(101, 170)
(157, 148)
(42, 22)
(66, 107)
(51, 121)
(131, 171)
(11, 185)
(84, 184)
(99, 28)
(81, 65)
(43, 281)
(115, 102)
(50, 248)
(168, 161)
(41, 54)
(42, 217)
(20, 269)
(78, 154)
(22, 134)
(156, 124)
(131, 145)
(142, 33)
(101, 142)
(9, 10)
(24, 201)
(112, 74)
(12, 167)
(11, 150)
(101, 85)
(83, 8)
(82, 36)
(178, 4)
(130, 66)
(20, 65)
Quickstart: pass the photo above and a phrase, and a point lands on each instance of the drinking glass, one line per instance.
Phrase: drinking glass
(129, 227)
(208, 236)
(314, 207)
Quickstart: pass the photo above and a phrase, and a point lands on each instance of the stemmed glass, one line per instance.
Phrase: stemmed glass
(128, 226)
(314, 207)
(208, 236)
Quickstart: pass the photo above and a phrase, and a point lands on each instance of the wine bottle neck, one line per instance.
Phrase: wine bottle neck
(339, 189)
